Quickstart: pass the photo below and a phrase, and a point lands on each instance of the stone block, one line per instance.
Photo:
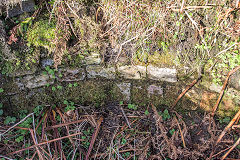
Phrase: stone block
(125, 89)
(71, 75)
(96, 71)
(25, 6)
(35, 81)
(162, 74)
(132, 72)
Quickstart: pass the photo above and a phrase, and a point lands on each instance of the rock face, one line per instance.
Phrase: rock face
(46, 62)
(96, 71)
(125, 89)
(93, 58)
(235, 80)
(4, 48)
(163, 74)
(24, 6)
(72, 75)
(32, 81)
(132, 72)
(155, 89)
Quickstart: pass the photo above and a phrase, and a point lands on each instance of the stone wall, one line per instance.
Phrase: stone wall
(99, 85)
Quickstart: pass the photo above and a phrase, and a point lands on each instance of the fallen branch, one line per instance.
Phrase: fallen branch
(223, 89)
(185, 91)
(235, 145)
(224, 132)
(57, 139)
(94, 138)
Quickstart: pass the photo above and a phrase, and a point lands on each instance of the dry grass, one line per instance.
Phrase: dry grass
(109, 133)
(133, 25)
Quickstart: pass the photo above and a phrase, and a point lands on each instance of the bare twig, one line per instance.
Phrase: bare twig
(125, 117)
(35, 143)
(182, 137)
(185, 91)
(39, 144)
(235, 145)
(1, 134)
(94, 138)
(223, 89)
(224, 132)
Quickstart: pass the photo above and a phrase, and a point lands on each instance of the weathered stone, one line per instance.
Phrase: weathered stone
(99, 71)
(71, 75)
(24, 6)
(154, 89)
(132, 72)
(94, 58)
(125, 89)
(235, 80)
(215, 87)
(35, 81)
(5, 50)
(19, 84)
(162, 74)
(47, 62)
(23, 72)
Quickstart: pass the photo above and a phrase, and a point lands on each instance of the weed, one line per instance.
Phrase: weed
(53, 88)
(86, 137)
(132, 106)
(126, 154)
(123, 141)
(1, 90)
(8, 120)
(165, 115)
(225, 120)
(172, 131)
(70, 105)
(70, 85)
(59, 87)
(146, 112)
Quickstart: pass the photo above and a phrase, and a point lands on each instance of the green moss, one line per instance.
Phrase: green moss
(162, 60)
(42, 34)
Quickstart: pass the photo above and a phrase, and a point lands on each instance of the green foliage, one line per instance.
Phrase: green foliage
(132, 106)
(225, 63)
(1, 90)
(59, 87)
(70, 105)
(225, 120)
(70, 85)
(50, 71)
(165, 114)
(41, 34)
(121, 102)
(146, 112)
(86, 137)
(53, 88)
(25, 24)
(9, 120)
(172, 131)
(126, 154)
(123, 141)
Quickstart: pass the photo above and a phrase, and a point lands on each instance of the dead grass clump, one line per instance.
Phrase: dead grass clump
(133, 25)
(113, 133)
